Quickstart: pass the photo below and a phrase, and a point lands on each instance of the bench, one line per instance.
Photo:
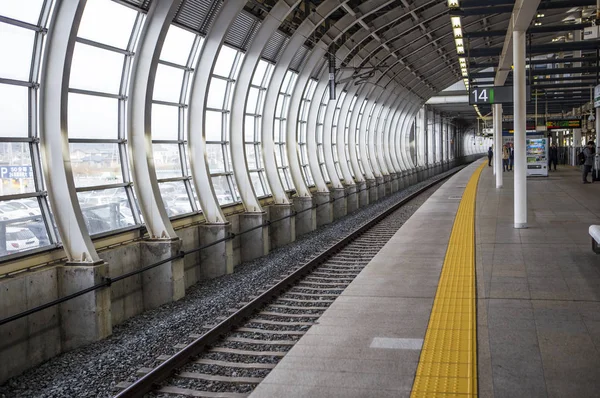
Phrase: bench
(595, 234)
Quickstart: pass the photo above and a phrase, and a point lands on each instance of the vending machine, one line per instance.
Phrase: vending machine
(537, 156)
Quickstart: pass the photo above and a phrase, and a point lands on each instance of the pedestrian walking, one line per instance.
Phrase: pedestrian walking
(588, 152)
(552, 157)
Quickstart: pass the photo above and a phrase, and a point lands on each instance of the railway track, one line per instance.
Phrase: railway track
(232, 357)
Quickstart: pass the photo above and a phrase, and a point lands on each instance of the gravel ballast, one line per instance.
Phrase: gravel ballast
(95, 370)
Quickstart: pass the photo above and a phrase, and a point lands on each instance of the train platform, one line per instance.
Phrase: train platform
(460, 304)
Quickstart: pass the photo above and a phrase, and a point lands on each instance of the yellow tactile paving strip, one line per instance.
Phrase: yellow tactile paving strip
(448, 363)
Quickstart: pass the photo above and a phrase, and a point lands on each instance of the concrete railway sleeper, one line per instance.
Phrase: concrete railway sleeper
(231, 358)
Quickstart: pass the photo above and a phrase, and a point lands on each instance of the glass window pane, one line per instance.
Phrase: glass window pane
(251, 157)
(249, 129)
(100, 14)
(214, 126)
(225, 61)
(286, 81)
(16, 45)
(105, 210)
(279, 106)
(177, 46)
(214, 154)
(175, 198)
(93, 117)
(284, 180)
(166, 160)
(257, 184)
(216, 93)
(16, 173)
(14, 111)
(252, 102)
(21, 234)
(259, 73)
(96, 69)
(168, 82)
(222, 190)
(95, 164)
(27, 11)
(165, 122)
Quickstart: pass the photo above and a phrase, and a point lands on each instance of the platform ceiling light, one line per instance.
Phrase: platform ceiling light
(538, 23)
(540, 16)
(453, 4)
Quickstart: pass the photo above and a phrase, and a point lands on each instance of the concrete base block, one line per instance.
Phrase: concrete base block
(255, 243)
(215, 260)
(351, 199)
(387, 183)
(165, 283)
(306, 216)
(394, 182)
(29, 341)
(363, 194)
(340, 208)
(380, 187)
(282, 230)
(372, 184)
(324, 208)
(86, 318)
(401, 180)
(127, 294)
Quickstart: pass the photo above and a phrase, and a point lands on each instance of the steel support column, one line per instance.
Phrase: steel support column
(196, 120)
(139, 109)
(498, 144)
(520, 120)
(54, 132)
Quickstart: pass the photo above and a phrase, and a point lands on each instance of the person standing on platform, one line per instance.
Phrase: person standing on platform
(511, 157)
(490, 156)
(553, 157)
(589, 152)
(505, 156)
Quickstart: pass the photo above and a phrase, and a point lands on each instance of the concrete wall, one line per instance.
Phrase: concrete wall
(36, 338)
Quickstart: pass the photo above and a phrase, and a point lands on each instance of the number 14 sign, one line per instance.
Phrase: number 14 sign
(493, 95)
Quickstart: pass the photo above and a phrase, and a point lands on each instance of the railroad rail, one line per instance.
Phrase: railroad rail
(232, 357)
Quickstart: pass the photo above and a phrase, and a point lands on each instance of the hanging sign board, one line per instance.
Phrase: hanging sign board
(563, 124)
(597, 96)
(494, 95)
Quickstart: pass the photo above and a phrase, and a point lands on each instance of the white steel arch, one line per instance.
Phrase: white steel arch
(240, 96)
(139, 119)
(54, 132)
(196, 120)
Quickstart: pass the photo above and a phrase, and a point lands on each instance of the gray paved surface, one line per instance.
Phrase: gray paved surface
(538, 289)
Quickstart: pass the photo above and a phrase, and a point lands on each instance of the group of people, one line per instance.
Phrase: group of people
(508, 156)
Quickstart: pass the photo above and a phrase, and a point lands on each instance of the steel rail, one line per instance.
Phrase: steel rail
(148, 382)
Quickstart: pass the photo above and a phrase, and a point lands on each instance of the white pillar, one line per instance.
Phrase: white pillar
(520, 112)
(498, 144)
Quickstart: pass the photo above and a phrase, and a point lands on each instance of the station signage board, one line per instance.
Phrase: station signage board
(597, 96)
(563, 124)
(494, 95)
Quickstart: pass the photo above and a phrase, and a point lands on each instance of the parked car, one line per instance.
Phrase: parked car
(8, 212)
(25, 206)
(19, 239)
(39, 230)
